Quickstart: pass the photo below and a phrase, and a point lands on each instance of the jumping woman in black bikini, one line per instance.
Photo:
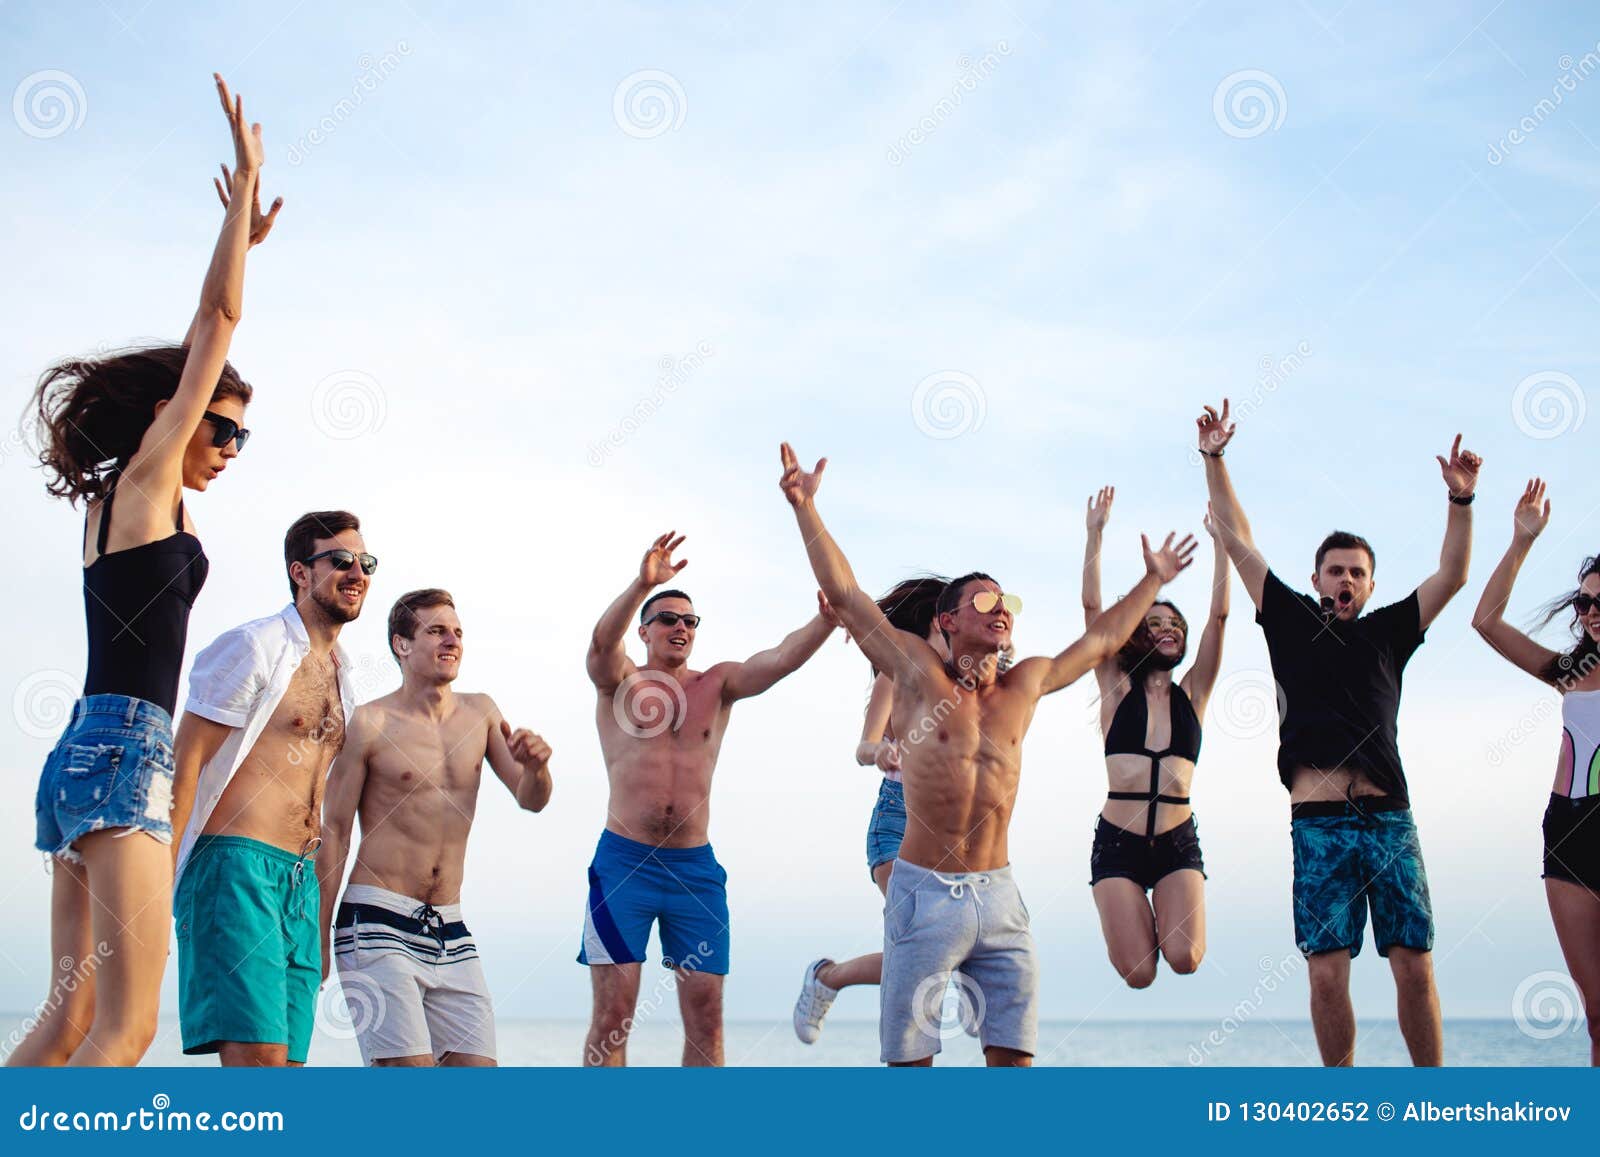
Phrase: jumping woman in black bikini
(139, 427)
(1146, 841)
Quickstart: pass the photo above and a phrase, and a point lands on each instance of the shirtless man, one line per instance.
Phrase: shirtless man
(268, 703)
(661, 726)
(952, 904)
(1339, 670)
(411, 769)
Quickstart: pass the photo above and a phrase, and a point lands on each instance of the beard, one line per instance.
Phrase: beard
(337, 610)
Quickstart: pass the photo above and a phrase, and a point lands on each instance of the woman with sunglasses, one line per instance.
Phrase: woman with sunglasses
(127, 433)
(909, 606)
(1146, 869)
(1572, 818)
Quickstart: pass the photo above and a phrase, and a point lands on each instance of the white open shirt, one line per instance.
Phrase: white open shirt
(238, 681)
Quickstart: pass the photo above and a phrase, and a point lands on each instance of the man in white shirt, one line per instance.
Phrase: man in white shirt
(266, 714)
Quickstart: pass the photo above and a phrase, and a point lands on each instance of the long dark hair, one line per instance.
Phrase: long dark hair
(1580, 659)
(93, 412)
(910, 605)
(1141, 648)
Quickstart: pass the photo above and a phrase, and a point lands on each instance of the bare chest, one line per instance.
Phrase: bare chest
(311, 712)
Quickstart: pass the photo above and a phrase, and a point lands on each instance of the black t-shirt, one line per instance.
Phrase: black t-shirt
(1339, 683)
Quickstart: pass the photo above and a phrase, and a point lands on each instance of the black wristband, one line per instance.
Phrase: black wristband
(1210, 453)
(1463, 499)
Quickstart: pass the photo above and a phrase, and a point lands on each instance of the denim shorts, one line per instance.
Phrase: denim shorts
(111, 768)
(888, 825)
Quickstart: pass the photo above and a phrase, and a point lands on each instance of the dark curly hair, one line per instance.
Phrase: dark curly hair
(93, 412)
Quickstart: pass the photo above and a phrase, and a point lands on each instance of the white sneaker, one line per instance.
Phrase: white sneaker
(815, 1000)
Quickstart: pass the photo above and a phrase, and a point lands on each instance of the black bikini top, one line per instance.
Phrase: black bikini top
(1126, 736)
(1129, 726)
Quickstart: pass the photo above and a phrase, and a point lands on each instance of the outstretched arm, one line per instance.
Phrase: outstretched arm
(1202, 677)
(347, 779)
(1113, 627)
(157, 465)
(1106, 675)
(889, 648)
(1215, 433)
(608, 662)
(1461, 476)
(521, 760)
(761, 670)
(1531, 516)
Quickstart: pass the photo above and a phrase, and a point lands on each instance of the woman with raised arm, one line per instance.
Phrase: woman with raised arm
(1572, 819)
(1146, 841)
(909, 607)
(127, 433)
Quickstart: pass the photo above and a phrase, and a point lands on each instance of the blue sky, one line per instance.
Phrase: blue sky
(483, 267)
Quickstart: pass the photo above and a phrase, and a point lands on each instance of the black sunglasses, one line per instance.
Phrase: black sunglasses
(1583, 604)
(345, 559)
(227, 430)
(673, 618)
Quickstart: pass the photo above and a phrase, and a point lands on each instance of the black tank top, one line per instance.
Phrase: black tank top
(137, 604)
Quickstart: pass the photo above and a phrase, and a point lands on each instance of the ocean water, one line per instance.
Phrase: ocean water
(658, 1041)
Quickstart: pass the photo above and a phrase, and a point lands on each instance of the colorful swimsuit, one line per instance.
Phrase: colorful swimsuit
(1571, 841)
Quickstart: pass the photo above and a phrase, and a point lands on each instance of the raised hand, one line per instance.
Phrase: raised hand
(1170, 561)
(248, 153)
(657, 566)
(1215, 430)
(528, 749)
(1210, 523)
(1099, 509)
(1532, 514)
(260, 225)
(798, 486)
(1461, 471)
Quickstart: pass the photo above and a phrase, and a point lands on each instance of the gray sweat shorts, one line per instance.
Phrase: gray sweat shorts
(974, 925)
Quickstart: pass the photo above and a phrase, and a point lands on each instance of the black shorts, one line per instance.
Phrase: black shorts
(1131, 856)
(1572, 841)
